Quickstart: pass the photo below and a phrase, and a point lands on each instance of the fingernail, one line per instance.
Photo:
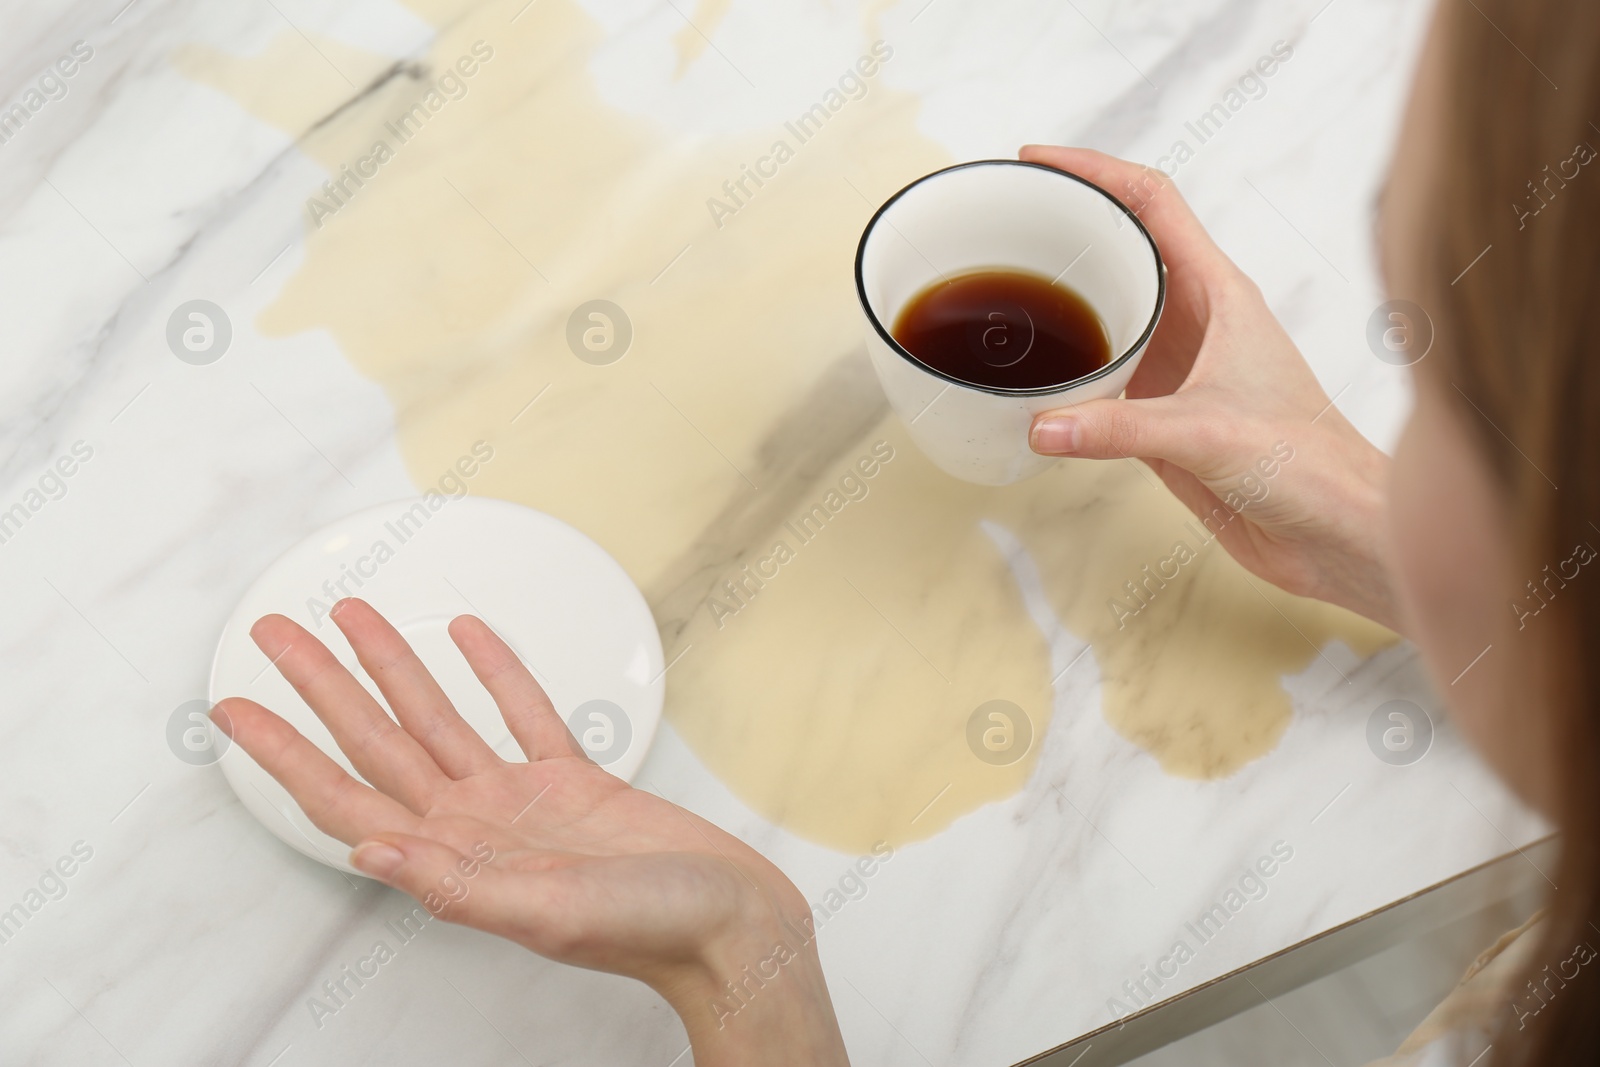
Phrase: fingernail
(1056, 437)
(377, 859)
(219, 719)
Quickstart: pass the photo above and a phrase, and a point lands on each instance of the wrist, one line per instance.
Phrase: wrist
(1361, 579)
(757, 995)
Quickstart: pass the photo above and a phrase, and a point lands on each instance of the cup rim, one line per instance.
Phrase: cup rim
(1038, 390)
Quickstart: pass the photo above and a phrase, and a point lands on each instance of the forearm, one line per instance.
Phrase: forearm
(1355, 572)
(1354, 567)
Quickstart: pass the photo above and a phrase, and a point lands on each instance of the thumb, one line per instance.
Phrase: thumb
(1156, 428)
(452, 885)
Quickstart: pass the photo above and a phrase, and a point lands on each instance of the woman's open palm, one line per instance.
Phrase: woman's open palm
(555, 854)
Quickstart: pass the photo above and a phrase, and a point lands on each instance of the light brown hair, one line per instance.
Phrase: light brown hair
(1518, 174)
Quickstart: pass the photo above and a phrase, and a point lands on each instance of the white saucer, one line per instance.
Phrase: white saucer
(568, 609)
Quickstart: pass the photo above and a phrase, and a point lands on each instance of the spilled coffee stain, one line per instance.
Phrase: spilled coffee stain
(1192, 666)
(691, 40)
(294, 83)
(871, 12)
(832, 696)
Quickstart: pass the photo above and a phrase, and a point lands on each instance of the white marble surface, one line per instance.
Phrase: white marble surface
(191, 936)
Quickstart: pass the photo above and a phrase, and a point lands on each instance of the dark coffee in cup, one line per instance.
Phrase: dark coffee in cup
(966, 329)
(1004, 329)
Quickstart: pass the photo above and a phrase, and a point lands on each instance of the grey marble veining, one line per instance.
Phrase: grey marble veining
(191, 936)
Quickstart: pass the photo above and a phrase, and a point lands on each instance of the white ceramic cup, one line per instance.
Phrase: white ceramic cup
(1005, 214)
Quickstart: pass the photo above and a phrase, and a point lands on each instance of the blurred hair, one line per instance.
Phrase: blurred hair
(1516, 354)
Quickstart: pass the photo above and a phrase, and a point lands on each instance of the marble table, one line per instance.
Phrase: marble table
(397, 211)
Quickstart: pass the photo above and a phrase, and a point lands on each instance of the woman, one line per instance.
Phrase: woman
(1491, 484)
